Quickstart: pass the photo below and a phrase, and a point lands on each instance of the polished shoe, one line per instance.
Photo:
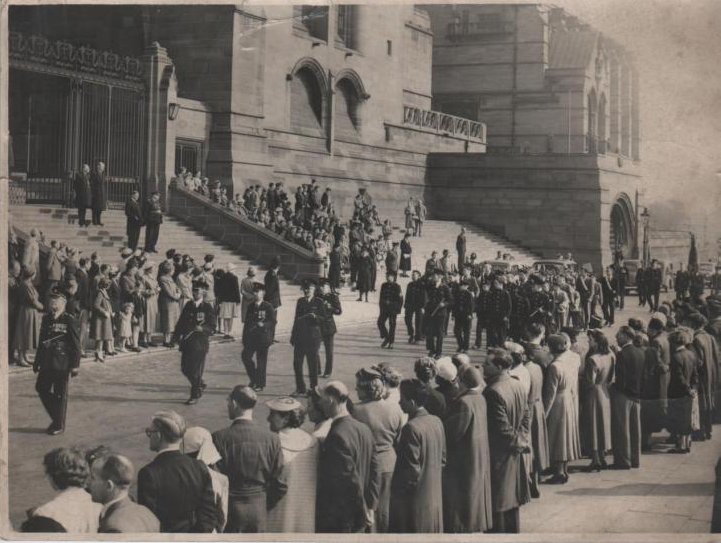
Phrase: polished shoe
(191, 401)
(410, 341)
(557, 480)
(390, 345)
(112, 353)
(99, 358)
(593, 467)
(384, 344)
(168, 345)
(619, 467)
(296, 393)
(203, 385)
(535, 493)
(326, 376)
(258, 388)
(101, 224)
(54, 430)
(136, 349)
(23, 363)
(676, 450)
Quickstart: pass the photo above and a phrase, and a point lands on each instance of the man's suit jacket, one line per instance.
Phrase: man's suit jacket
(127, 517)
(348, 482)
(133, 212)
(178, 490)
(630, 362)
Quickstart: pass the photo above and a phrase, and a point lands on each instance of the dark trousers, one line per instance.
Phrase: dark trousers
(382, 512)
(621, 295)
(641, 296)
(133, 231)
(328, 348)
(387, 333)
(81, 215)
(586, 311)
(255, 369)
(97, 216)
(52, 387)
(192, 365)
(609, 310)
(435, 334)
(497, 333)
(480, 325)
(247, 514)
(299, 355)
(152, 231)
(653, 299)
(625, 429)
(414, 323)
(507, 522)
(462, 331)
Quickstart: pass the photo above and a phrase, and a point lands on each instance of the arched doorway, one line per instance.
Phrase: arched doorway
(622, 226)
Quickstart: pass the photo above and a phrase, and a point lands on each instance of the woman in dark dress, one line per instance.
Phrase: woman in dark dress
(335, 267)
(682, 388)
(406, 251)
(366, 264)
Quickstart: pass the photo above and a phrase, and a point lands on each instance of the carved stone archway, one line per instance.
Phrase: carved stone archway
(623, 227)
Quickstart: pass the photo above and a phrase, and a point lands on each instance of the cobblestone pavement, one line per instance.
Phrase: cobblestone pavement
(110, 404)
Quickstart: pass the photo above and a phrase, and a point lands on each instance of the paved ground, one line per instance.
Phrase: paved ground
(111, 405)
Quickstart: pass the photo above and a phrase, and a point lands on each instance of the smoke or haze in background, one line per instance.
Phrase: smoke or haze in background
(677, 46)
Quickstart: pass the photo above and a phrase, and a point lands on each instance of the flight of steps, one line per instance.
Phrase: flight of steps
(108, 240)
(439, 235)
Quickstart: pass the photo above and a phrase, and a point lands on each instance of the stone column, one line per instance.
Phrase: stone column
(625, 110)
(161, 91)
(615, 109)
(635, 117)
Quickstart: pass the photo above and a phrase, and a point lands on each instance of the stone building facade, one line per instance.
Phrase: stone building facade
(561, 103)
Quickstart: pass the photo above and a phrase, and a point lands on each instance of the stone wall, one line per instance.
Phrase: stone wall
(550, 204)
(243, 235)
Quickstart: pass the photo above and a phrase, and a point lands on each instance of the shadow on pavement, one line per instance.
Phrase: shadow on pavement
(644, 489)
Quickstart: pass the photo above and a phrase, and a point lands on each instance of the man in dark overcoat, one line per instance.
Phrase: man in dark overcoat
(133, 219)
(438, 299)
(196, 324)
(332, 307)
(705, 347)
(98, 193)
(461, 249)
(390, 302)
(656, 375)
(467, 501)
(509, 437)
(415, 302)
(272, 283)
(306, 337)
(348, 484)
(463, 306)
(83, 195)
(417, 484)
(258, 335)
(57, 359)
(499, 313)
(153, 218)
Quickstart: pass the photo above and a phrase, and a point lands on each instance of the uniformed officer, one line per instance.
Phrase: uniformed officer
(499, 312)
(482, 312)
(438, 300)
(390, 302)
(463, 307)
(196, 324)
(414, 304)
(57, 358)
(306, 337)
(332, 307)
(258, 336)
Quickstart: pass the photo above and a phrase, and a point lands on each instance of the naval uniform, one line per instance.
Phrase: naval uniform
(196, 324)
(499, 313)
(258, 335)
(463, 306)
(57, 356)
(306, 338)
(391, 302)
(331, 304)
(414, 304)
(435, 317)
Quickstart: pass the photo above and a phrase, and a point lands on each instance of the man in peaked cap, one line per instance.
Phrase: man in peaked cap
(196, 324)
(332, 306)
(258, 335)
(57, 358)
(306, 336)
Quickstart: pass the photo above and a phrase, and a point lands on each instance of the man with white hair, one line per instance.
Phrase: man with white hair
(176, 488)
(110, 480)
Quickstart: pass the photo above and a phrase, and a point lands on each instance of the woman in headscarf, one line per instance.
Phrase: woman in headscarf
(596, 379)
(198, 443)
(560, 400)
(682, 388)
(385, 419)
(72, 510)
(27, 322)
(295, 512)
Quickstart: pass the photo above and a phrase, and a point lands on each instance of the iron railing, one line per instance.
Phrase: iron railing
(59, 191)
(442, 123)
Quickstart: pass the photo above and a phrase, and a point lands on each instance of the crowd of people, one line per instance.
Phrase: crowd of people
(458, 447)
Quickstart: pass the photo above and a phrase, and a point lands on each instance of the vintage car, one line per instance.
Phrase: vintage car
(554, 266)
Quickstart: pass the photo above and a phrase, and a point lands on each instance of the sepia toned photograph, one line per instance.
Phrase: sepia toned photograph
(289, 270)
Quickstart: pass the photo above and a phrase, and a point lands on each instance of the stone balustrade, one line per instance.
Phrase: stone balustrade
(444, 124)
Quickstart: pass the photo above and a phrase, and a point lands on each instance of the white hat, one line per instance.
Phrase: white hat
(445, 369)
(198, 439)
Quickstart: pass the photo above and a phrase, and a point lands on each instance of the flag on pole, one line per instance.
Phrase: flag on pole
(693, 255)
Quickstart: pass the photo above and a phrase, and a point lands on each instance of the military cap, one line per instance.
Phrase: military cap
(283, 404)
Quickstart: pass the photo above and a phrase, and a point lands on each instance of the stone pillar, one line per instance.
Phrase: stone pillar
(635, 118)
(161, 91)
(625, 110)
(330, 121)
(615, 109)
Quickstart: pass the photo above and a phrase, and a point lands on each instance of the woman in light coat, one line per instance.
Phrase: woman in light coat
(31, 255)
(27, 317)
(102, 323)
(596, 413)
(560, 400)
(295, 512)
(168, 303)
(150, 290)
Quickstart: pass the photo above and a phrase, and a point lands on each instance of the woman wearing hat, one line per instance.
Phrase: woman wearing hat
(596, 380)
(27, 323)
(385, 419)
(168, 303)
(560, 400)
(682, 388)
(366, 265)
(150, 290)
(102, 322)
(295, 512)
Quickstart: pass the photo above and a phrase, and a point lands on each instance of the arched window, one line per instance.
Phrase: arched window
(306, 100)
(347, 122)
(602, 135)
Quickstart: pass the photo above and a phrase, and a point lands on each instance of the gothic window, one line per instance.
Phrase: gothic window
(347, 122)
(306, 100)
(347, 26)
(312, 19)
